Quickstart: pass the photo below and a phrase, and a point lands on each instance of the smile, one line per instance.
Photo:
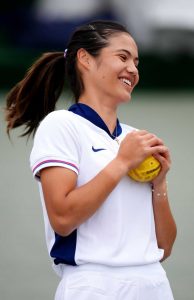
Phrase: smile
(126, 81)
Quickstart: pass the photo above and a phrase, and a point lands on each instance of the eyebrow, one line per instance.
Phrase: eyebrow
(129, 54)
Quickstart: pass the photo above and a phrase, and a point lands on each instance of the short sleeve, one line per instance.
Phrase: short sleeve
(56, 143)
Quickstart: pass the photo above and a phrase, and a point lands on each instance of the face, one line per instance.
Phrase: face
(114, 72)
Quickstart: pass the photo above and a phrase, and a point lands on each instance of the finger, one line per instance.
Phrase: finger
(155, 141)
(143, 132)
(151, 138)
(166, 155)
(163, 157)
(158, 149)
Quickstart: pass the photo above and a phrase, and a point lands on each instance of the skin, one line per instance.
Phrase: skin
(105, 90)
(69, 206)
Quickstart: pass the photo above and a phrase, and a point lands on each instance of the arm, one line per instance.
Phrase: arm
(164, 222)
(68, 206)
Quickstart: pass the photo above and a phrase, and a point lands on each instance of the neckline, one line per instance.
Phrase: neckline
(91, 115)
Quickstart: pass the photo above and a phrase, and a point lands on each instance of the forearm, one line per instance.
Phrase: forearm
(82, 202)
(164, 221)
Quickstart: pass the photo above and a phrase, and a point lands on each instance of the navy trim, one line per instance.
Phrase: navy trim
(91, 115)
(63, 250)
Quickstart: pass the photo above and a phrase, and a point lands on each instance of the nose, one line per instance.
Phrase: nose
(132, 68)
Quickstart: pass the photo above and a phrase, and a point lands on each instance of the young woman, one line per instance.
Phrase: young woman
(106, 233)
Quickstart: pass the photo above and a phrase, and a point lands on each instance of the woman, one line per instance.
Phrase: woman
(105, 232)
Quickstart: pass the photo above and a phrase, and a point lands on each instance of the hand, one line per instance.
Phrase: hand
(165, 161)
(138, 145)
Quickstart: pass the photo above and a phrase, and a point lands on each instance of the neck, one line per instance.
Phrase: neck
(107, 112)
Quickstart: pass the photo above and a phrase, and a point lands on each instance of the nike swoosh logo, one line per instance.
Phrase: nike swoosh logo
(97, 149)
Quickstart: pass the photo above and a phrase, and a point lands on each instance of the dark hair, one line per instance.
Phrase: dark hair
(36, 94)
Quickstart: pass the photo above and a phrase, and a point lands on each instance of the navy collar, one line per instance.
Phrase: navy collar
(91, 115)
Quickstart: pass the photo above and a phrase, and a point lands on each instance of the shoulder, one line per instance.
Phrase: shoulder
(56, 143)
(56, 121)
(57, 137)
(58, 116)
(56, 127)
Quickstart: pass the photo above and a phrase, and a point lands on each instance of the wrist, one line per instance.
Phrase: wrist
(162, 185)
(120, 166)
(160, 190)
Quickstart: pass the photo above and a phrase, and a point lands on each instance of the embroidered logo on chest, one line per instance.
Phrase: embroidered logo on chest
(97, 149)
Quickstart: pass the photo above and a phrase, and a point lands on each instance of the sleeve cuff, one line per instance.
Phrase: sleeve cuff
(53, 163)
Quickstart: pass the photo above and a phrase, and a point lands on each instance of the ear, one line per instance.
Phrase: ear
(83, 58)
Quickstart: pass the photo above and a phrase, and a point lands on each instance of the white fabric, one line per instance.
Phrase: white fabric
(122, 231)
(97, 282)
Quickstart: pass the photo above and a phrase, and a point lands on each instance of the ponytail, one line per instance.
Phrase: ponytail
(36, 94)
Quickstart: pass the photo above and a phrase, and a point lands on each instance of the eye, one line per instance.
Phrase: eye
(137, 65)
(136, 62)
(123, 57)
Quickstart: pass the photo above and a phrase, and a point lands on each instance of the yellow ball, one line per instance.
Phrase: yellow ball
(146, 171)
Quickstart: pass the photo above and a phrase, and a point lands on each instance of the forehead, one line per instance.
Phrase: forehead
(122, 41)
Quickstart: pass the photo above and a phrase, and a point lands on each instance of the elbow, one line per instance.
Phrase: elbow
(167, 249)
(167, 253)
(168, 245)
(62, 226)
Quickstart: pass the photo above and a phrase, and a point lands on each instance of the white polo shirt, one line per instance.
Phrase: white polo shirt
(122, 231)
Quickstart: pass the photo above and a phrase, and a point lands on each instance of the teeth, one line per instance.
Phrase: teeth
(125, 80)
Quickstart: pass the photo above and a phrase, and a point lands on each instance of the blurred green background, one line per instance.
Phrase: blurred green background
(163, 103)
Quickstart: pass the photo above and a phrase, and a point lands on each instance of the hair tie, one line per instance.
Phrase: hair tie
(91, 27)
(65, 52)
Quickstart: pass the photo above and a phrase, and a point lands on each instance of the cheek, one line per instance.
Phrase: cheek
(137, 79)
(111, 68)
(108, 73)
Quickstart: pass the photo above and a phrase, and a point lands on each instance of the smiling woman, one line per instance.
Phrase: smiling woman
(105, 232)
(114, 73)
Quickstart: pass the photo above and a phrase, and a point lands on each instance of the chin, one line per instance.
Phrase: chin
(125, 99)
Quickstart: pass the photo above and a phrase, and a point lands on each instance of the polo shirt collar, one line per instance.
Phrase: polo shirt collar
(91, 115)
